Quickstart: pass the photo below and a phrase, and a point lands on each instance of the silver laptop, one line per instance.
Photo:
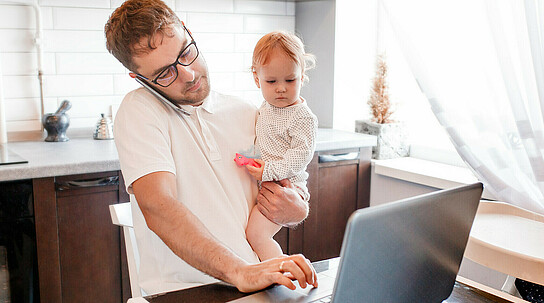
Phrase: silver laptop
(405, 251)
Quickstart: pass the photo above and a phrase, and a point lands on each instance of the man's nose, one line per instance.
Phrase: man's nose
(186, 73)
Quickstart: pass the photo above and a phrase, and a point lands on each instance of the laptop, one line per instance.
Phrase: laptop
(404, 251)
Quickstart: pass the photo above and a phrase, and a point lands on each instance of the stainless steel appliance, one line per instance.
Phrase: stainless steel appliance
(18, 243)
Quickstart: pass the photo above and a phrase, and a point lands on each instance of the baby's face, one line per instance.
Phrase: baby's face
(280, 80)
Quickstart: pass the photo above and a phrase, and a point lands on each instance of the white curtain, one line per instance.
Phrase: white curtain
(480, 64)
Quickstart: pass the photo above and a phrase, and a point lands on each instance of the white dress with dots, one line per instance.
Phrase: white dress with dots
(286, 140)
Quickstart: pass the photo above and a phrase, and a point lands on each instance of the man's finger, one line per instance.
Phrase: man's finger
(307, 267)
(286, 183)
(263, 210)
(294, 268)
(270, 186)
(280, 279)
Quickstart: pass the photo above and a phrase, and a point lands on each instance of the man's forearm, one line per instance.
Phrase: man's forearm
(181, 230)
(189, 239)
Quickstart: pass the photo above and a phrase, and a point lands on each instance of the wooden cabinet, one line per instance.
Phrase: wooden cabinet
(80, 252)
(81, 255)
(339, 184)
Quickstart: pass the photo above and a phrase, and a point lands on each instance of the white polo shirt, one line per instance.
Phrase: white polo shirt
(199, 149)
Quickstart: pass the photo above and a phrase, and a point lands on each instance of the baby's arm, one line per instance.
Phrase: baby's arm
(303, 133)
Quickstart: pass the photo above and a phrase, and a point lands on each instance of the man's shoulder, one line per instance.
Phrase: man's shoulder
(232, 102)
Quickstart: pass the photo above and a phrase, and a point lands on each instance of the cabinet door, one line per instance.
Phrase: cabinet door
(80, 253)
(88, 242)
(338, 185)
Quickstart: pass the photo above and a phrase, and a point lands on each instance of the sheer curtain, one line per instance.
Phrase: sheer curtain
(480, 64)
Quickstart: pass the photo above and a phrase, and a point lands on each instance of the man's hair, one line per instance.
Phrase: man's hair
(290, 44)
(133, 26)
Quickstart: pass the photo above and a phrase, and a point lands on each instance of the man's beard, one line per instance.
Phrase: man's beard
(195, 98)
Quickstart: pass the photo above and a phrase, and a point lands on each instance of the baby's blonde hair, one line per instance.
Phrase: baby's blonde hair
(290, 44)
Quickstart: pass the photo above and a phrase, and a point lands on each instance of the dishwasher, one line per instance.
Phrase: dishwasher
(18, 258)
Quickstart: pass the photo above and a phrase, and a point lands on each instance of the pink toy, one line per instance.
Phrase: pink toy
(241, 160)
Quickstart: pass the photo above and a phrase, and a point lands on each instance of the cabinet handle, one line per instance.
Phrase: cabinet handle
(68, 185)
(338, 157)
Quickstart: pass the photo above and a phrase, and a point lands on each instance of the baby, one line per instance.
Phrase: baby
(286, 127)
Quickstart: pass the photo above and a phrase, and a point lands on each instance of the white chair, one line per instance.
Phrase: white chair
(510, 240)
(121, 215)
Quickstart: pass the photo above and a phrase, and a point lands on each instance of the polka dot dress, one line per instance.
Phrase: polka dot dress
(286, 140)
(530, 291)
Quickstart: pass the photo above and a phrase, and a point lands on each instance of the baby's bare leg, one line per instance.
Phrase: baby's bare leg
(259, 234)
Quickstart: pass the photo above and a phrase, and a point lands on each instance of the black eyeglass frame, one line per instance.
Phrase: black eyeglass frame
(154, 81)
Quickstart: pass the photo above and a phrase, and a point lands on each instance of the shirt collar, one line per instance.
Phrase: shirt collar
(207, 105)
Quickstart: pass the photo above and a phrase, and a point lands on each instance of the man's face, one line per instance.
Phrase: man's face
(192, 85)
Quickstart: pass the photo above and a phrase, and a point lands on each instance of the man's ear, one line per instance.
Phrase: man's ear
(256, 78)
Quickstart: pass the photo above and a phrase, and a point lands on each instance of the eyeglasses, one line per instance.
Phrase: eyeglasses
(186, 57)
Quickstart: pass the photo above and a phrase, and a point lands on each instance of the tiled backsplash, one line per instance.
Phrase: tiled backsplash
(77, 66)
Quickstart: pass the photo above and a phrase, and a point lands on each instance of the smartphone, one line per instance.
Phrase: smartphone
(162, 98)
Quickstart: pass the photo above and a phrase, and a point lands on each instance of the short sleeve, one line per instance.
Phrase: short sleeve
(141, 138)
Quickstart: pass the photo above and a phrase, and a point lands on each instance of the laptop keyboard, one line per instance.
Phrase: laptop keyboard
(326, 299)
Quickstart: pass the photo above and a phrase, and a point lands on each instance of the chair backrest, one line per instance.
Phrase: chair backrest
(121, 215)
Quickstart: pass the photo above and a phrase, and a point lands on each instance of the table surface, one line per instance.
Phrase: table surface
(218, 292)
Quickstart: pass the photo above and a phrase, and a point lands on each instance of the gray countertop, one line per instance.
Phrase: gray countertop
(85, 155)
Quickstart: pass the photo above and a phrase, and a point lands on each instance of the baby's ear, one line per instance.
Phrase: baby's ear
(256, 78)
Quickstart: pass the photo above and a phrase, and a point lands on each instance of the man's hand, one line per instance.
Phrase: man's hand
(280, 270)
(281, 203)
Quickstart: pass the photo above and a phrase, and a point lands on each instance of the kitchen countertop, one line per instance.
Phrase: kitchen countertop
(85, 155)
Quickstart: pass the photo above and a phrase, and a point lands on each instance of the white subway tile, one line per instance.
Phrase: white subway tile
(50, 105)
(80, 18)
(47, 17)
(266, 24)
(225, 62)
(182, 17)
(24, 109)
(23, 17)
(20, 86)
(246, 42)
(78, 85)
(83, 123)
(27, 125)
(260, 7)
(88, 106)
(87, 63)
(216, 6)
(244, 81)
(26, 64)
(117, 3)
(17, 40)
(291, 8)
(248, 59)
(222, 81)
(214, 43)
(76, 3)
(254, 96)
(218, 23)
(74, 41)
(123, 83)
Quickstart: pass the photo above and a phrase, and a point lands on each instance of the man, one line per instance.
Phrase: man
(192, 201)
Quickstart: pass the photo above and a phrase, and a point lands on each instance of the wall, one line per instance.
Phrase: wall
(315, 22)
(77, 66)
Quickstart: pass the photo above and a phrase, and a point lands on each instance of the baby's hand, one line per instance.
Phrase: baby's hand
(256, 172)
